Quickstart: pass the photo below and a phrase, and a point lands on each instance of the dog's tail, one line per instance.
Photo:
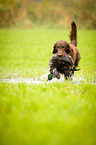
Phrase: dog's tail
(73, 34)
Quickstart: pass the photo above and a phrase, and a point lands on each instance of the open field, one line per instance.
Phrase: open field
(58, 113)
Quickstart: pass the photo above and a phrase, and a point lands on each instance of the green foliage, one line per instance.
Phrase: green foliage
(28, 13)
(49, 113)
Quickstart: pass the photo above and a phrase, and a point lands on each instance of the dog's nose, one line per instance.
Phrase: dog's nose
(60, 54)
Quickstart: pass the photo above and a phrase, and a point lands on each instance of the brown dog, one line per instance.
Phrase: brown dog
(63, 48)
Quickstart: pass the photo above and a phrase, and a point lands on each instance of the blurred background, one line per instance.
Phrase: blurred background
(47, 13)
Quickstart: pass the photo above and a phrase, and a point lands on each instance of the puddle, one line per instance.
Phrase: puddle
(22, 80)
(42, 80)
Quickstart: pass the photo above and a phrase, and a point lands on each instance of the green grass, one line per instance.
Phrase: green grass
(49, 113)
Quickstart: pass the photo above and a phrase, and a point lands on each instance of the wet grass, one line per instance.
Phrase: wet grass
(46, 114)
(26, 53)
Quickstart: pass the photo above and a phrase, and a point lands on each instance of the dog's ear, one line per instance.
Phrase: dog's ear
(54, 49)
(68, 49)
(68, 45)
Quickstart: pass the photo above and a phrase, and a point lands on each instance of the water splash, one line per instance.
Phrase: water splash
(42, 80)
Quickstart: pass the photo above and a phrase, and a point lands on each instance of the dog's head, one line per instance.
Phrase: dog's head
(61, 48)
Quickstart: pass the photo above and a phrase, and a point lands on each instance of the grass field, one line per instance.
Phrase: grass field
(59, 113)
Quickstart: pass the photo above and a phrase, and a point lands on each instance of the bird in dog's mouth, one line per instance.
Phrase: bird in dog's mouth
(63, 65)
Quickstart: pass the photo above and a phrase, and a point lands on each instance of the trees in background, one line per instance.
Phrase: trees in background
(27, 13)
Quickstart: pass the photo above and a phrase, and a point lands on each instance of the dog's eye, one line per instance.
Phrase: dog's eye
(62, 46)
